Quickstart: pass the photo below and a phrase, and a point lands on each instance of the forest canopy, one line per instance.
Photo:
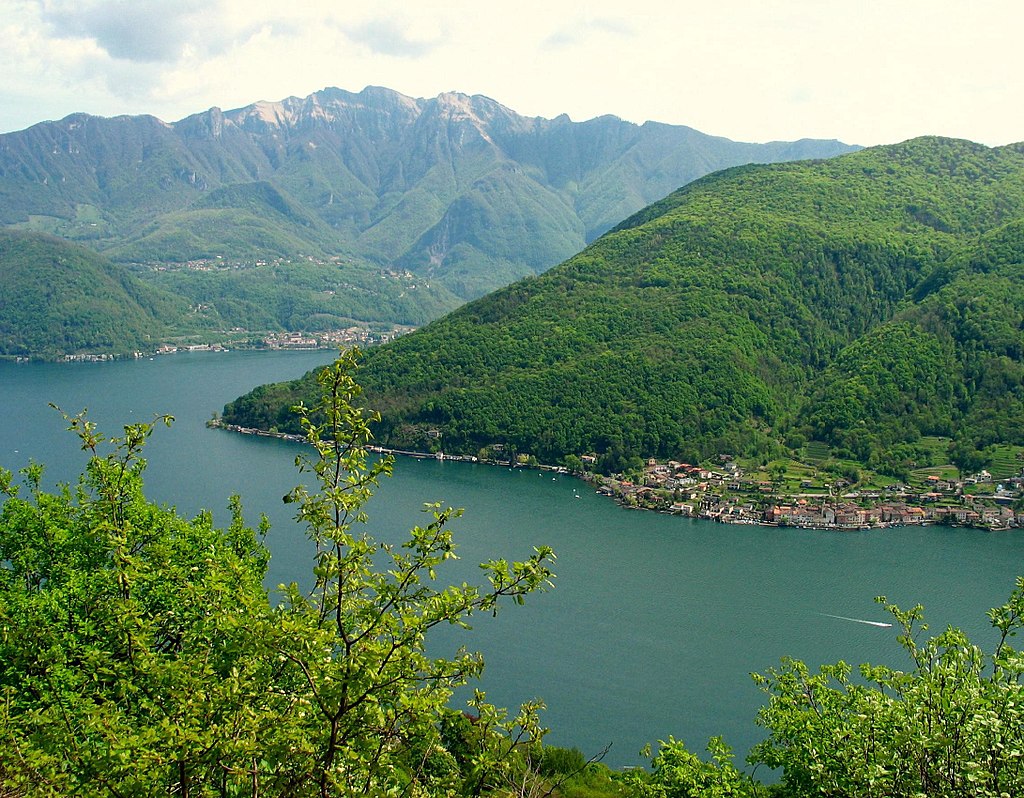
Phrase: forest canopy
(862, 302)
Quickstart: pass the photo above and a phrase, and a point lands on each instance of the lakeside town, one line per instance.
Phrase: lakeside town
(355, 335)
(729, 495)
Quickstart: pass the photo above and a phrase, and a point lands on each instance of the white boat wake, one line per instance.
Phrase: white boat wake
(858, 620)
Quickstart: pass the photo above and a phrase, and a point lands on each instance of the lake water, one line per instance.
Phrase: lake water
(655, 622)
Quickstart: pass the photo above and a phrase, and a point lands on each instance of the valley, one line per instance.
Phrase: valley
(316, 213)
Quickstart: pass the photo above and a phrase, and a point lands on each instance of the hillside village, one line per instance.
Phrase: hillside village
(730, 495)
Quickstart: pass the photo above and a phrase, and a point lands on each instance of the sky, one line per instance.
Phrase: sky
(863, 71)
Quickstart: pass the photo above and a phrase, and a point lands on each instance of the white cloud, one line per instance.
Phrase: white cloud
(585, 30)
(387, 37)
(132, 30)
(866, 72)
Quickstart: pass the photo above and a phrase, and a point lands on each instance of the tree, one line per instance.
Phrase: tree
(777, 474)
(966, 457)
(953, 725)
(375, 693)
(140, 653)
(573, 463)
(679, 773)
(128, 664)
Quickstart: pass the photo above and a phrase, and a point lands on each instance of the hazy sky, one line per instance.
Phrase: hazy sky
(863, 71)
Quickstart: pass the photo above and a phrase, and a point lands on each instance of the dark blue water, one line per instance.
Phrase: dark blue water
(656, 621)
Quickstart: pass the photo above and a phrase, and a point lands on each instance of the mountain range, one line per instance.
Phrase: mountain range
(457, 195)
(864, 302)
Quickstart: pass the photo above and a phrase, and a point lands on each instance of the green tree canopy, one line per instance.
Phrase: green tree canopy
(950, 724)
(141, 654)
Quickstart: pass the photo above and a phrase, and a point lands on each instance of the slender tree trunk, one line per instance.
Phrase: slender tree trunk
(183, 789)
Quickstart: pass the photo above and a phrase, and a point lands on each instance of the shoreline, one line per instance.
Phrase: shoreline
(250, 341)
(728, 507)
(414, 455)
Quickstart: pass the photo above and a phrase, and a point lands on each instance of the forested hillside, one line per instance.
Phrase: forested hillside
(459, 190)
(60, 298)
(863, 301)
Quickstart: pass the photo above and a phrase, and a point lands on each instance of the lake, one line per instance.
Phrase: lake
(656, 621)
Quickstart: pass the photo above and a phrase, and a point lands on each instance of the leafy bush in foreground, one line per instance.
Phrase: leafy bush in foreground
(140, 653)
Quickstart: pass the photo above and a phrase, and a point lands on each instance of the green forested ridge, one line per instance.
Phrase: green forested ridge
(247, 221)
(864, 301)
(60, 298)
(305, 295)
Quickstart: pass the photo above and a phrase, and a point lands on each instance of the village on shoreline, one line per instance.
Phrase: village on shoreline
(355, 335)
(728, 495)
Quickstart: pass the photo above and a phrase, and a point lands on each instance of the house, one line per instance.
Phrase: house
(901, 514)
(851, 516)
(654, 480)
(805, 518)
(915, 515)
(776, 513)
(961, 515)
(996, 516)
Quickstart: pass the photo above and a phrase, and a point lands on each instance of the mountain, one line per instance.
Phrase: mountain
(460, 191)
(863, 301)
(59, 298)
